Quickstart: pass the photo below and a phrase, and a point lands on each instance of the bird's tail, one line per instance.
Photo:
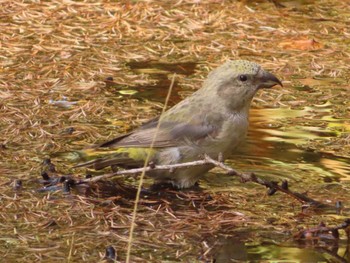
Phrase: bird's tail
(104, 157)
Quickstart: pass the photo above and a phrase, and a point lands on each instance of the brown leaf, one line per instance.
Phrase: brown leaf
(302, 44)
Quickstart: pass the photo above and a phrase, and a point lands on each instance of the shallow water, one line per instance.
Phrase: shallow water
(79, 73)
(284, 143)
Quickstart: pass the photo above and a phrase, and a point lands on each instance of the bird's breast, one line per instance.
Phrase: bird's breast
(232, 132)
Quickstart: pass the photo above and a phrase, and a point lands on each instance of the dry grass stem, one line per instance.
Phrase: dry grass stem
(139, 188)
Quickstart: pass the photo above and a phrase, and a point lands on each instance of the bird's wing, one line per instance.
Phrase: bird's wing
(129, 150)
(169, 134)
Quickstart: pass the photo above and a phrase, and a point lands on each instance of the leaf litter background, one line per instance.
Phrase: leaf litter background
(55, 58)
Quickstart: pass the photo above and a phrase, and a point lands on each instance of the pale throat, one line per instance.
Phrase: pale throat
(233, 131)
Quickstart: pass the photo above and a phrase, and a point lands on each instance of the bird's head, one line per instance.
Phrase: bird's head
(237, 81)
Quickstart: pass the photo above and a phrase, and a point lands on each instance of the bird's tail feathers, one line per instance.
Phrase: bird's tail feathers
(101, 158)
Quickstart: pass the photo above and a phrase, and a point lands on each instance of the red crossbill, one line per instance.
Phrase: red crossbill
(212, 121)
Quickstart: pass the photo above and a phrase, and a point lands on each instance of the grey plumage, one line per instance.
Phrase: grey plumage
(213, 120)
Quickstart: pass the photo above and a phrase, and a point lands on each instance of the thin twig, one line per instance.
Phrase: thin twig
(273, 186)
(245, 177)
(147, 169)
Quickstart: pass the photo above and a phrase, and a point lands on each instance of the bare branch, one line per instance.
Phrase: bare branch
(245, 177)
(147, 169)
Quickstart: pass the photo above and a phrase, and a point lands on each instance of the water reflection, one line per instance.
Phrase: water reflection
(280, 135)
(160, 72)
(233, 249)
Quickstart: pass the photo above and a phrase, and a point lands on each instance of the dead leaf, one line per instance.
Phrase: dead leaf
(303, 44)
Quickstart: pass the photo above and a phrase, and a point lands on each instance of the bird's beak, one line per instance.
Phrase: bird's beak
(267, 80)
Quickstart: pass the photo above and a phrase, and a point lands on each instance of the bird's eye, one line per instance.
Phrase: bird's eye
(243, 77)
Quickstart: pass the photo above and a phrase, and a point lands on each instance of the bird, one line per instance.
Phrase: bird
(212, 121)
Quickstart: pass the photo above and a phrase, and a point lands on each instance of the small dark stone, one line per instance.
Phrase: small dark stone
(271, 191)
(110, 253)
(271, 220)
(66, 187)
(50, 223)
(17, 184)
(284, 185)
(327, 179)
(69, 130)
(71, 182)
(3, 146)
(52, 168)
(335, 233)
(47, 161)
(62, 179)
(45, 176)
(208, 197)
(49, 166)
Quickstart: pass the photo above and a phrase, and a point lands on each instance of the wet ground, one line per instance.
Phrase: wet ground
(75, 74)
